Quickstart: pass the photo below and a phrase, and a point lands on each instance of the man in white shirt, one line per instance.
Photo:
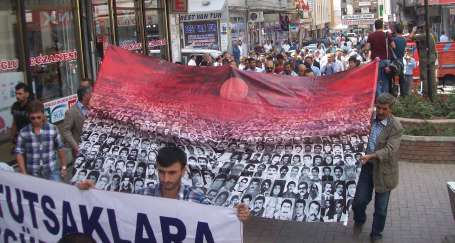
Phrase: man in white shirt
(192, 61)
(268, 46)
(443, 37)
(285, 46)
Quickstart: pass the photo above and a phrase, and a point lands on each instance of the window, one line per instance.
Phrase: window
(9, 63)
(101, 23)
(51, 42)
(154, 28)
(8, 50)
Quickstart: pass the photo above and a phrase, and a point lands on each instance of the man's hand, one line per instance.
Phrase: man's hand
(243, 212)
(75, 150)
(63, 171)
(364, 159)
(85, 185)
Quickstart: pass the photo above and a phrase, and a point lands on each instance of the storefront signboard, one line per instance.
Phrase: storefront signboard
(55, 109)
(200, 16)
(53, 58)
(201, 34)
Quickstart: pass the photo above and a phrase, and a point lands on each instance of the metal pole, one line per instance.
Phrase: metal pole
(427, 35)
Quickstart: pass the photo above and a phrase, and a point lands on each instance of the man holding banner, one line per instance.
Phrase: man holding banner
(172, 164)
(379, 167)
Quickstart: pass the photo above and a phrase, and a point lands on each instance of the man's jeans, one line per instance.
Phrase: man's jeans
(363, 195)
(383, 84)
(47, 173)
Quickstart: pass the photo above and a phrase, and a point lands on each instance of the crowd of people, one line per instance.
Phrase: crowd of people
(335, 54)
(37, 142)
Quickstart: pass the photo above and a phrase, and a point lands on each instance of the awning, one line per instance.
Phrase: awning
(197, 6)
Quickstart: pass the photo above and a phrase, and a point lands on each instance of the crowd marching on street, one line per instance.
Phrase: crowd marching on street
(335, 54)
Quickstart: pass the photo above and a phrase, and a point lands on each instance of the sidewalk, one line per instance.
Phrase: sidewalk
(419, 212)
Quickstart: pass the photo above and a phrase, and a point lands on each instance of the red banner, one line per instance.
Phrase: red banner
(270, 104)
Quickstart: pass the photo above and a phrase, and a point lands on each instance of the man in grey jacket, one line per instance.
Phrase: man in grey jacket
(379, 167)
(74, 119)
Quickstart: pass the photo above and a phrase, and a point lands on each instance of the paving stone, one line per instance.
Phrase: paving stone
(419, 212)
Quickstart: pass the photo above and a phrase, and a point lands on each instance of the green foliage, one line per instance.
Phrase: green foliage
(418, 107)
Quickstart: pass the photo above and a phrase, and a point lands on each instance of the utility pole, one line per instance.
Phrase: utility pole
(427, 34)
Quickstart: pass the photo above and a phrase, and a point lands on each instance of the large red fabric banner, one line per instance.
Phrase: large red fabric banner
(288, 147)
(271, 104)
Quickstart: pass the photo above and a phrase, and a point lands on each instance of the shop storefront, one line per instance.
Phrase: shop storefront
(53, 44)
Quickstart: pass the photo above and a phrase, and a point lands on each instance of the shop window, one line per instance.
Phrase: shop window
(127, 33)
(10, 73)
(101, 22)
(154, 28)
(52, 46)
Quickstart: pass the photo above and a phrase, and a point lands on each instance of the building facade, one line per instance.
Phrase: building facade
(53, 44)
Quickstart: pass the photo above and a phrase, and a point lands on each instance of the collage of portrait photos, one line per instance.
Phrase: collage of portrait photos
(305, 179)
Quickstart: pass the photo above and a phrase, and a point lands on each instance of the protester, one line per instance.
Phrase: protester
(409, 63)
(331, 67)
(419, 36)
(397, 62)
(288, 70)
(379, 167)
(74, 119)
(192, 61)
(443, 37)
(37, 145)
(172, 163)
(380, 44)
(19, 110)
(353, 62)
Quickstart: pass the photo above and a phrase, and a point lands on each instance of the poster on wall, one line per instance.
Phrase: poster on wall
(201, 35)
(288, 147)
(55, 110)
(8, 81)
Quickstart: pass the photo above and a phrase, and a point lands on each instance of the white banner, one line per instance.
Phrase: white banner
(37, 210)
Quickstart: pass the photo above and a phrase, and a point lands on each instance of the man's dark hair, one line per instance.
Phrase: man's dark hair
(338, 168)
(247, 196)
(354, 59)
(168, 156)
(82, 91)
(23, 86)
(35, 106)
(77, 238)
(350, 183)
(286, 201)
(378, 24)
(291, 182)
(317, 203)
(301, 201)
(284, 168)
(303, 183)
(260, 197)
(399, 28)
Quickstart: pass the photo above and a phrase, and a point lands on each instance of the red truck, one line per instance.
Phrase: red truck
(446, 61)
